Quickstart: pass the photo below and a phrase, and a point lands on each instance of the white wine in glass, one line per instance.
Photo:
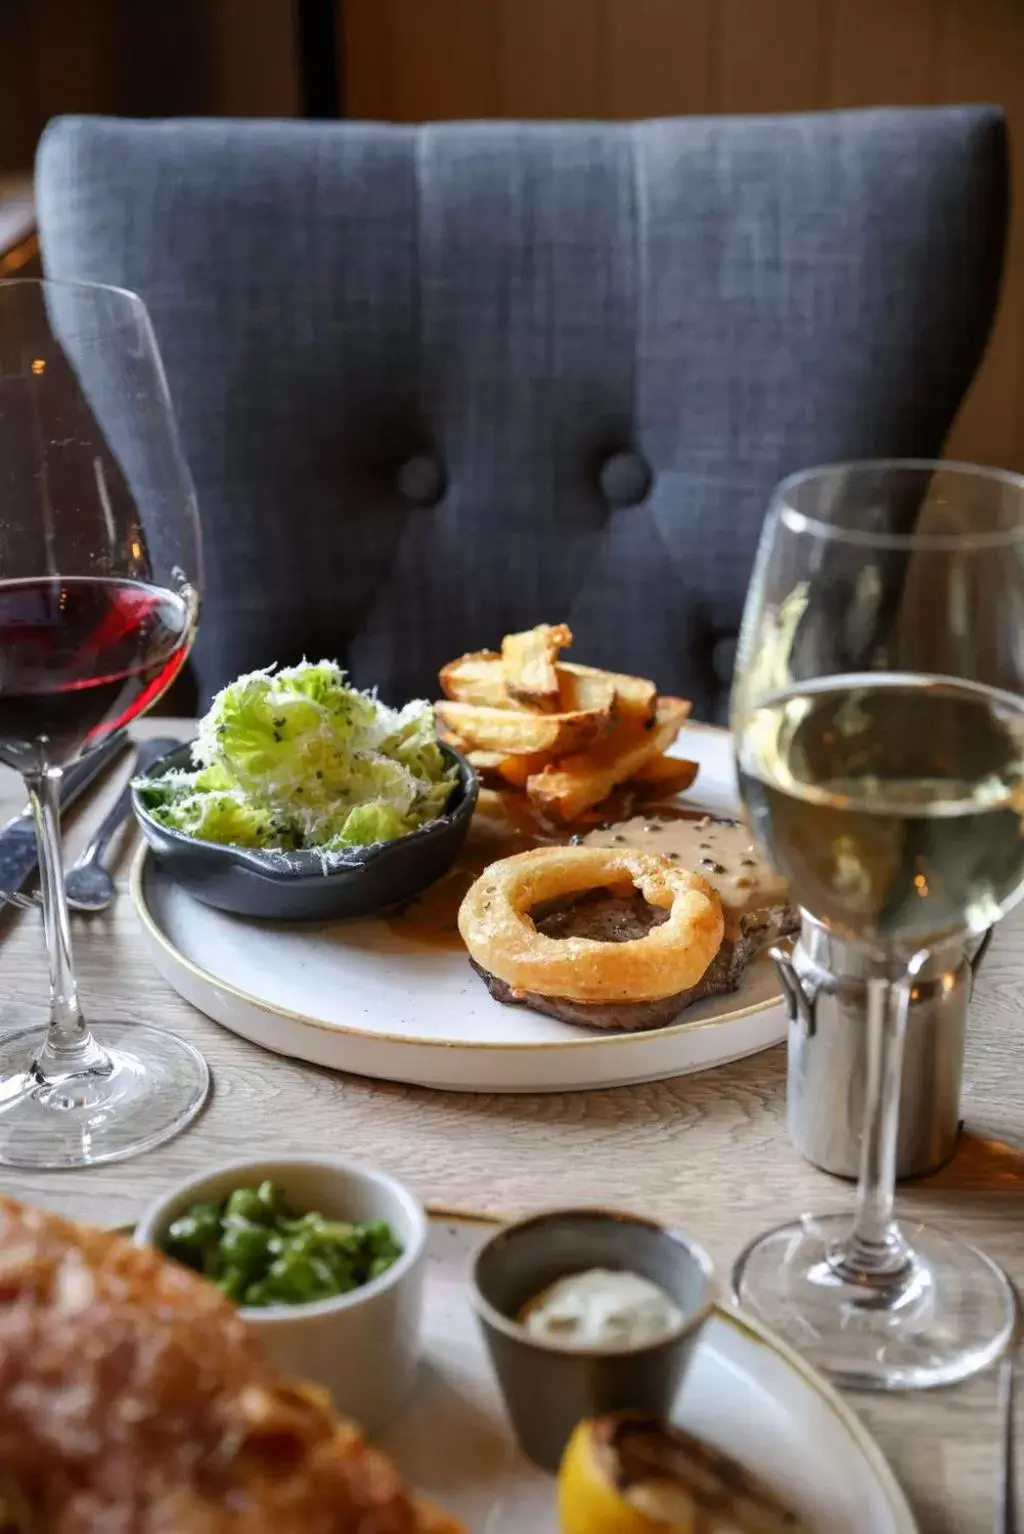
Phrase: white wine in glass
(878, 718)
(893, 801)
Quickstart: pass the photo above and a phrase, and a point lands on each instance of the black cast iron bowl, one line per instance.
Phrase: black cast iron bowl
(295, 886)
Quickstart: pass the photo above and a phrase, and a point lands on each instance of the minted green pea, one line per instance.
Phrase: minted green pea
(378, 1237)
(245, 1246)
(302, 1244)
(246, 1204)
(291, 1227)
(272, 1201)
(339, 1233)
(232, 1282)
(292, 1280)
(331, 1282)
(210, 1264)
(259, 1252)
(256, 1294)
(196, 1228)
(342, 1270)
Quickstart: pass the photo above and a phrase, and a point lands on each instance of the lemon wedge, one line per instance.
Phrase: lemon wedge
(631, 1474)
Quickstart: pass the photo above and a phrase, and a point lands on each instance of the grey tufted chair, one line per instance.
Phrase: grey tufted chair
(438, 383)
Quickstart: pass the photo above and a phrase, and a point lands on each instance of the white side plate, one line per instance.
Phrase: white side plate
(362, 997)
(746, 1393)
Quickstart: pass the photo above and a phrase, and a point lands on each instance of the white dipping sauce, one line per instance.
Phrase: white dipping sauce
(601, 1309)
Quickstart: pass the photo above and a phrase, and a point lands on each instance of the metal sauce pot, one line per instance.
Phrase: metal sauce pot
(825, 983)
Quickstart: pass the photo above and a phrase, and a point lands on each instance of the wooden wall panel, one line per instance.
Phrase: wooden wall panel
(215, 57)
(550, 58)
(81, 75)
(882, 52)
(442, 58)
(766, 58)
(982, 59)
(255, 64)
(365, 61)
(19, 113)
(657, 54)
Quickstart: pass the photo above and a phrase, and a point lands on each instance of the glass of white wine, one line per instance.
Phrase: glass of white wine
(878, 721)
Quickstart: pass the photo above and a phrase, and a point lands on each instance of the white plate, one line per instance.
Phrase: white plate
(746, 1393)
(364, 997)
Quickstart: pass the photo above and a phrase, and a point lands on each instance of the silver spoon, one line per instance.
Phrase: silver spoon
(89, 885)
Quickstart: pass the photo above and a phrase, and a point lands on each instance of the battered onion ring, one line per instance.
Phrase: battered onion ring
(496, 927)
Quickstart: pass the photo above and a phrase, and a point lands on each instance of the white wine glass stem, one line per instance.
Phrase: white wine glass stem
(875, 1251)
(69, 1048)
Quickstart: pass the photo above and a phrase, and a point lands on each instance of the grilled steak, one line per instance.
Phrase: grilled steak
(754, 903)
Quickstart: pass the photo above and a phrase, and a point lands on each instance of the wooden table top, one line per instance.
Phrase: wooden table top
(709, 1152)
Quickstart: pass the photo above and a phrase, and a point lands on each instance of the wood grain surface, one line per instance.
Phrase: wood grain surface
(709, 1152)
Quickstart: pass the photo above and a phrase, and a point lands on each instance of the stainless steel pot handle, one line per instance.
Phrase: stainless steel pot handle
(802, 994)
(801, 999)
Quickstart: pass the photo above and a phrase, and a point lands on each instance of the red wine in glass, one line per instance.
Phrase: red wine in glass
(100, 572)
(81, 656)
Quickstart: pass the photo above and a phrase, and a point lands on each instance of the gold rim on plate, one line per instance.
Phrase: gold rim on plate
(159, 938)
(764, 1337)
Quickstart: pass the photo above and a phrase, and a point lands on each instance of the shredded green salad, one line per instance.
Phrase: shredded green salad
(297, 759)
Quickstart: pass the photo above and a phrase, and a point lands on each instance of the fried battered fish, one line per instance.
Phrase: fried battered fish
(134, 1400)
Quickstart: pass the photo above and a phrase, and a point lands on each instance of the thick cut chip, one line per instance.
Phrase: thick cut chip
(529, 659)
(487, 766)
(517, 733)
(480, 679)
(496, 770)
(583, 687)
(635, 696)
(664, 775)
(568, 787)
(517, 770)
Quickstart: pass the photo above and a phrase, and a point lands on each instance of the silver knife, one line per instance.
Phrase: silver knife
(19, 857)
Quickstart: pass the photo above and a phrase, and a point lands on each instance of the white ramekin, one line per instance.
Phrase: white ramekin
(363, 1346)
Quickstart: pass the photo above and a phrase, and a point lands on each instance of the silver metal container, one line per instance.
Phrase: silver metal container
(825, 982)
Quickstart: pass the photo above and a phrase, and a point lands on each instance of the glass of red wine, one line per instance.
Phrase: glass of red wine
(99, 599)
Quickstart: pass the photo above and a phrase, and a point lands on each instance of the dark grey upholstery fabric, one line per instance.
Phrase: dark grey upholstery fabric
(437, 383)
